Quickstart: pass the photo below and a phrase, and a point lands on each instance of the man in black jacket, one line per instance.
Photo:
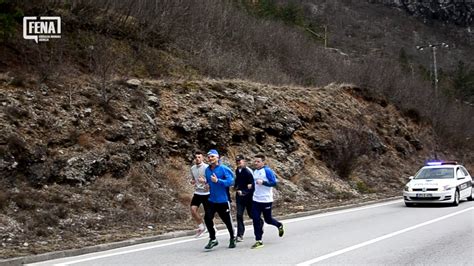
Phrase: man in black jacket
(244, 187)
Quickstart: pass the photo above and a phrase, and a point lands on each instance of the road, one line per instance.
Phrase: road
(381, 234)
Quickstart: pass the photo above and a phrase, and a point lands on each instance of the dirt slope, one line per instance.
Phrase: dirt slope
(83, 166)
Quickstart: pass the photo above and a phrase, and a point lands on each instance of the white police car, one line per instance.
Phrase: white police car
(439, 182)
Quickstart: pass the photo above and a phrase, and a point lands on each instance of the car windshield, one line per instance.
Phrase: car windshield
(435, 173)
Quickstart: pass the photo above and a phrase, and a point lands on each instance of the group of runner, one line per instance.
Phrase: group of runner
(253, 190)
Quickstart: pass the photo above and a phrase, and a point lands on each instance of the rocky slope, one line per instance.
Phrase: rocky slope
(81, 166)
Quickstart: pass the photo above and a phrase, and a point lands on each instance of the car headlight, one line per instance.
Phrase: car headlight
(447, 187)
(407, 188)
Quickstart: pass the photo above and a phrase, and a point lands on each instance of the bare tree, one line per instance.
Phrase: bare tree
(103, 62)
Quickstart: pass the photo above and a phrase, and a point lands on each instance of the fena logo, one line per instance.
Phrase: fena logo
(41, 29)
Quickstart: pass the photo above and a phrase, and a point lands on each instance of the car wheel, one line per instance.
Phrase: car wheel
(456, 198)
(408, 204)
(470, 197)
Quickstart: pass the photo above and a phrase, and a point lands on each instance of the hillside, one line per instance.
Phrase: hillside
(98, 128)
(78, 175)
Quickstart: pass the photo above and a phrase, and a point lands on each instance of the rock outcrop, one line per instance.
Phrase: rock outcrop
(77, 160)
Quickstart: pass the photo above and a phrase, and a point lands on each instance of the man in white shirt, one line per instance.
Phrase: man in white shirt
(265, 180)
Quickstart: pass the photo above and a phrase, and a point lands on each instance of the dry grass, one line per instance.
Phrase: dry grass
(137, 178)
(176, 173)
(42, 219)
(85, 140)
(138, 99)
(109, 186)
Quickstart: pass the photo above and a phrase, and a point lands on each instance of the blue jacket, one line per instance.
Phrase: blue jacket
(225, 179)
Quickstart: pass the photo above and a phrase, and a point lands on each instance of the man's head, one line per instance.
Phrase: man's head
(198, 157)
(259, 161)
(213, 157)
(240, 161)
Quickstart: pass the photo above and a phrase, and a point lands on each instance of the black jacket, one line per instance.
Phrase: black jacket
(243, 178)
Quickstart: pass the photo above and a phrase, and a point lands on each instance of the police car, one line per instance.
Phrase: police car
(439, 182)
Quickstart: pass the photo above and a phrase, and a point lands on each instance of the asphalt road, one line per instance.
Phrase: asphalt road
(381, 234)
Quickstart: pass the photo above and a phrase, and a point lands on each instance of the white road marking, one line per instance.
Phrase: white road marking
(121, 252)
(341, 211)
(366, 243)
(125, 252)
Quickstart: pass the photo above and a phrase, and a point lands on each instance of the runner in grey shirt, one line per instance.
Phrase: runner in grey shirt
(201, 192)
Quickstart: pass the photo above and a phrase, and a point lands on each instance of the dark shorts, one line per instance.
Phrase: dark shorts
(199, 199)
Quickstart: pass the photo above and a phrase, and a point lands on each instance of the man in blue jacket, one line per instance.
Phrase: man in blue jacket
(265, 180)
(219, 177)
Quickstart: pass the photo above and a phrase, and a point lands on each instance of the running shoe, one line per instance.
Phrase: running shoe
(258, 244)
(232, 243)
(212, 243)
(200, 232)
(281, 231)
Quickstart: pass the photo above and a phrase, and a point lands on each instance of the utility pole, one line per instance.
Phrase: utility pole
(436, 100)
(326, 36)
(435, 67)
(435, 70)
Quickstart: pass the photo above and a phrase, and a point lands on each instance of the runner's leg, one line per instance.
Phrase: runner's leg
(223, 210)
(209, 218)
(240, 216)
(257, 225)
(267, 215)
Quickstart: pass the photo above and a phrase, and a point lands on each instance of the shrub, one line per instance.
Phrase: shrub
(25, 200)
(414, 115)
(42, 232)
(10, 14)
(363, 188)
(40, 221)
(61, 212)
(343, 195)
(3, 199)
(18, 81)
(463, 81)
(346, 147)
(15, 113)
(129, 204)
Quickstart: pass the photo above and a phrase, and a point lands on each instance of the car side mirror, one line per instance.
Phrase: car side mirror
(410, 177)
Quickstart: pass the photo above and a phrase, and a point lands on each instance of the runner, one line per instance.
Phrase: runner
(265, 180)
(219, 177)
(201, 191)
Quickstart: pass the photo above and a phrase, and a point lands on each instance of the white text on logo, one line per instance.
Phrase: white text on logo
(41, 29)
